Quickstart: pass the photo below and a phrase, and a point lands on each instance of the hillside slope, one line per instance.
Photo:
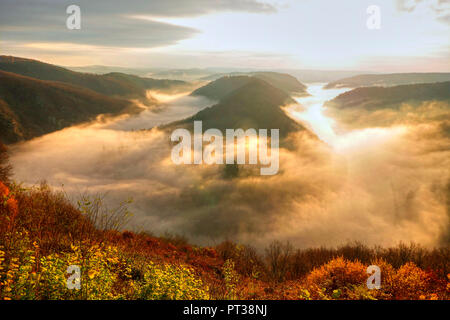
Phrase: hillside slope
(31, 107)
(111, 84)
(406, 105)
(124, 265)
(387, 80)
(256, 105)
(222, 86)
(372, 98)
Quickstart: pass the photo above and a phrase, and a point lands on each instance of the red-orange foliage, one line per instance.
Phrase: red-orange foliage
(4, 191)
(411, 282)
(9, 209)
(336, 274)
(54, 223)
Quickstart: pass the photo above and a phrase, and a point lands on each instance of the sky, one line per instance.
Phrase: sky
(414, 35)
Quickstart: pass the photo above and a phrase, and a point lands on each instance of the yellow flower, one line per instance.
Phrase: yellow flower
(91, 274)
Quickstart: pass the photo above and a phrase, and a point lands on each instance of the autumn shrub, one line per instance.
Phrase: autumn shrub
(171, 282)
(50, 217)
(105, 274)
(387, 279)
(411, 282)
(99, 266)
(335, 279)
(8, 209)
(25, 274)
(18, 265)
(231, 279)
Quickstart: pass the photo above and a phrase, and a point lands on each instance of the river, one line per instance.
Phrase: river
(311, 112)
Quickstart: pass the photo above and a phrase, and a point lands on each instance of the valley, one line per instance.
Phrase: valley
(331, 178)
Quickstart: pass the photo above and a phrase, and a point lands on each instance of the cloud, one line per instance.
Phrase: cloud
(440, 9)
(109, 23)
(180, 8)
(98, 29)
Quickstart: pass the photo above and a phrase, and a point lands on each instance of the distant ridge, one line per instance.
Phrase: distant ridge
(371, 107)
(372, 98)
(387, 80)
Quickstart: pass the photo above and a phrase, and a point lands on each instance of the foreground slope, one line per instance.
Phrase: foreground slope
(37, 244)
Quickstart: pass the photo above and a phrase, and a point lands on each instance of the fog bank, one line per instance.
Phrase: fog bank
(377, 185)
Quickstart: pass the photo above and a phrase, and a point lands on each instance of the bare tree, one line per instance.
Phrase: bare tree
(277, 256)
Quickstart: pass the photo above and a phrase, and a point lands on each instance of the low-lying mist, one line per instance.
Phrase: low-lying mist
(376, 185)
(170, 107)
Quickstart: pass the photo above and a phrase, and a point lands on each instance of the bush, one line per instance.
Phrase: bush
(8, 209)
(26, 275)
(50, 217)
(411, 282)
(170, 282)
(335, 279)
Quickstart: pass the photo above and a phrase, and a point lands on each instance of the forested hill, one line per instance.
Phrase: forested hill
(30, 107)
(387, 80)
(221, 87)
(256, 104)
(380, 98)
(111, 84)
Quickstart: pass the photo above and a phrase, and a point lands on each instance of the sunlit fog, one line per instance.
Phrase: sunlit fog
(370, 185)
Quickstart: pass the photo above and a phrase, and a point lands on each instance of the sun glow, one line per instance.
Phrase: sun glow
(163, 97)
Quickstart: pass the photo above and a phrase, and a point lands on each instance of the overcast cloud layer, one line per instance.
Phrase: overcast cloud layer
(109, 23)
(269, 34)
